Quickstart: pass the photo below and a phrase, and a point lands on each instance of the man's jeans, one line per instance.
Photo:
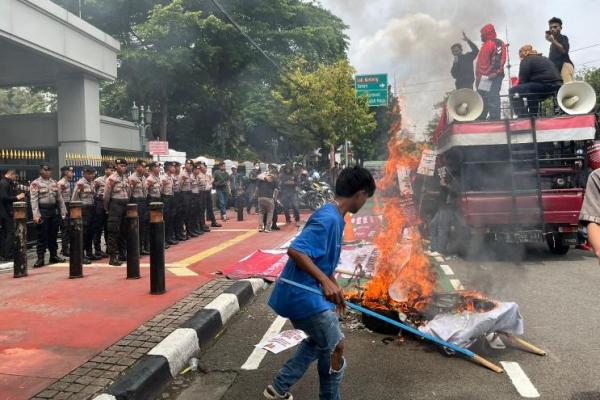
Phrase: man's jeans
(324, 334)
(222, 198)
(491, 100)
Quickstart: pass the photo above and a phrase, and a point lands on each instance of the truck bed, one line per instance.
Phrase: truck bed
(483, 209)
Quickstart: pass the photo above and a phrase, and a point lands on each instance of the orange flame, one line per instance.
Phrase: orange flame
(401, 266)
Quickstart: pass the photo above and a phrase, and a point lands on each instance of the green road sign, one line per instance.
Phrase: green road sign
(375, 87)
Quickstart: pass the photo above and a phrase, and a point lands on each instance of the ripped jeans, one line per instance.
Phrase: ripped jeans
(324, 334)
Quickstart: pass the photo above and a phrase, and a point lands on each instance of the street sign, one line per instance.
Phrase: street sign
(375, 87)
(158, 148)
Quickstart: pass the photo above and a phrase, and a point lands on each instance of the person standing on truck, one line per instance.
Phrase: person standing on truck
(489, 72)
(559, 50)
(538, 79)
(462, 68)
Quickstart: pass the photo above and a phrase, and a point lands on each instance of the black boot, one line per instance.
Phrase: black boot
(55, 259)
(114, 260)
(39, 263)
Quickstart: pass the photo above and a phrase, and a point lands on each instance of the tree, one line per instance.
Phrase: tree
(324, 107)
(22, 100)
(592, 76)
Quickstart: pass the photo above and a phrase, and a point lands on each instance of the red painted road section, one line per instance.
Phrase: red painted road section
(49, 324)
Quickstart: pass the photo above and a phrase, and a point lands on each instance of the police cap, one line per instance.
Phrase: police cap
(89, 169)
(120, 161)
(140, 162)
(45, 167)
(65, 169)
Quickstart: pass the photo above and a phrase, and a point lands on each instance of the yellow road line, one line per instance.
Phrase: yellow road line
(214, 250)
(180, 268)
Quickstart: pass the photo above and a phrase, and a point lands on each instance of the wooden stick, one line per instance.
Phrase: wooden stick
(487, 364)
(526, 345)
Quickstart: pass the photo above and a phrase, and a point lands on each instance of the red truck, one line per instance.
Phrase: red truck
(519, 180)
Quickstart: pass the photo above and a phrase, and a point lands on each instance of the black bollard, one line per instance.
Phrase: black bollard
(76, 238)
(133, 242)
(157, 249)
(20, 255)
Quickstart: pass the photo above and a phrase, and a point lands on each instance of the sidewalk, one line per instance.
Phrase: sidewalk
(51, 325)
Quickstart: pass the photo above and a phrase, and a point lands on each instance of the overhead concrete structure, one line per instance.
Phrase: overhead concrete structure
(42, 44)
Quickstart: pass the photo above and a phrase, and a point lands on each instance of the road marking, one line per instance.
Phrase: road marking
(447, 270)
(439, 258)
(257, 355)
(456, 284)
(214, 250)
(520, 380)
(181, 271)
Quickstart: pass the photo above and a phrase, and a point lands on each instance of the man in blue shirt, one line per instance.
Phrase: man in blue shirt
(314, 254)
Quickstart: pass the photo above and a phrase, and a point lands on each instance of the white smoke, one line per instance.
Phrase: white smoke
(410, 40)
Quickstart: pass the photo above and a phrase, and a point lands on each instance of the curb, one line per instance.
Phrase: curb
(154, 371)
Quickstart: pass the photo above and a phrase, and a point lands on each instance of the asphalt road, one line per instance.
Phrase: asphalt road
(558, 298)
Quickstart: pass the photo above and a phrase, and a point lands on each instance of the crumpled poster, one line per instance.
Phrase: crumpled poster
(464, 328)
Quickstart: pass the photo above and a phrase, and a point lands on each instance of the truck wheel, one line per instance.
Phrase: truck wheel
(556, 246)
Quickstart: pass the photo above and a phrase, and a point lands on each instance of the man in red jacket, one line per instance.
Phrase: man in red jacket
(489, 71)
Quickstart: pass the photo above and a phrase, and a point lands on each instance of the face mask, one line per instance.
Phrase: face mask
(257, 168)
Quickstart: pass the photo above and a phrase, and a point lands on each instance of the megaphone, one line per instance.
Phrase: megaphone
(576, 97)
(464, 105)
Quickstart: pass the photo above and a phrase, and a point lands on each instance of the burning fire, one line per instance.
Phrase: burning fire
(402, 269)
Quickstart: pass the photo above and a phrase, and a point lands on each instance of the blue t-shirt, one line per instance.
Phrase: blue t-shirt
(321, 240)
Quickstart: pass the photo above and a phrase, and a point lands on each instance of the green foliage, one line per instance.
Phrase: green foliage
(211, 91)
(592, 76)
(21, 100)
(325, 105)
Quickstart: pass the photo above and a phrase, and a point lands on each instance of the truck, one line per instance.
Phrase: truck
(519, 180)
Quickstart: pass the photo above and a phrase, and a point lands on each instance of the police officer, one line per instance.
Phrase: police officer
(139, 193)
(197, 223)
(46, 204)
(186, 188)
(179, 210)
(202, 185)
(153, 185)
(116, 197)
(100, 214)
(208, 203)
(64, 187)
(85, 192)
(8, 195)
(166, 191)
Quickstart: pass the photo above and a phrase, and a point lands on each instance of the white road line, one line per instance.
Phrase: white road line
(439, 258)
(520, 380)
(254, 360)
(456, 284)
(447, 270)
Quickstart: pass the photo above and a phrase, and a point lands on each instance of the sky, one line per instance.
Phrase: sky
(410, 40)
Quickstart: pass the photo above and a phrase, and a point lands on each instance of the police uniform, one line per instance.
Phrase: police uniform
(202, 184)
(186, 189)
(196, 224)
(208, 202)
(85, 192)
(139, 193)
(100, 214)
(46, 204)
(116, 197)
(178, 210)
(64, 187)
(166, 191)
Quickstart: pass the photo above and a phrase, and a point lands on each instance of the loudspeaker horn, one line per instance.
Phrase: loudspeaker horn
(464, 105)
(576, 97)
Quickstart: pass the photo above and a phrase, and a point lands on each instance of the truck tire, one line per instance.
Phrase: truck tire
(556, 246)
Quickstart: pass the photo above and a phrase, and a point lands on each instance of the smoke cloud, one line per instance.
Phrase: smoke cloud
(411, 39)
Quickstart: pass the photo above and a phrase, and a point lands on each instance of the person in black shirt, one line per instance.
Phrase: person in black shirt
(8, 195)
(559, 50)
(462, 68)
(538, 79)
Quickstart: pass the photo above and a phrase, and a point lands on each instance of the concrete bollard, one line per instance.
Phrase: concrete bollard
(75, 232)
(20, 255)
(157, 249)
(133, 242)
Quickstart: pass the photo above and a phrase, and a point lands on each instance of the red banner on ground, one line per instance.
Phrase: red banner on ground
(260, 264)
